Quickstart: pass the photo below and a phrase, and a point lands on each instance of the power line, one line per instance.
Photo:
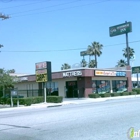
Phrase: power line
(45, 7)
(57, 9)
(17, 6)
(39, 51)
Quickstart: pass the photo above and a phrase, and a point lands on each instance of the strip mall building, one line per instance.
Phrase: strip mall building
(79, 82)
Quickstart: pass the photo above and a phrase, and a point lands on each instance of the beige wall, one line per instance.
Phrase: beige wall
(23, 87)
(33, 85)
(26, 85)
(62, 85)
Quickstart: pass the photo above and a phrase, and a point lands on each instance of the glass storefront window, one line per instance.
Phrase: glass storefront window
(52, 87)
(119, 85)
(101, 86)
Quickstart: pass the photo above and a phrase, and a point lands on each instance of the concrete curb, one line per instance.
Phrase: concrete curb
(77, 101)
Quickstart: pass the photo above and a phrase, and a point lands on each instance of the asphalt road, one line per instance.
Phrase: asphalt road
(109, 120)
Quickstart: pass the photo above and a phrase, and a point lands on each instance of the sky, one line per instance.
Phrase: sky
(58, 30)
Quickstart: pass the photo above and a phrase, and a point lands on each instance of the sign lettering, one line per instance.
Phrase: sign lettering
(41, 77)
(72, 73)
(120, 29)
(43, 71)
(110, 73)
(136, 69)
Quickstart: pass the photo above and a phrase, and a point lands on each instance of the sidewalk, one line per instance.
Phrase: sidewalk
(67, 101)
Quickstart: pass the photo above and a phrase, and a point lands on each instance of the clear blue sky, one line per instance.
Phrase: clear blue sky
(50, 25)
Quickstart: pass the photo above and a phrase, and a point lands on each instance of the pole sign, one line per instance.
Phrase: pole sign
(135, 70)
(84, 53)
(43, 71)
(120, 29)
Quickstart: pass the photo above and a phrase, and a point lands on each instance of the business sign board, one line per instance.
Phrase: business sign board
(135, 70)
(120, 29)
(20, 79)
(84, 53)
(110, 73)
(43, 71)
(72, 73)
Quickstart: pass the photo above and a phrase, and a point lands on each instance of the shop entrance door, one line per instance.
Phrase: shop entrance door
(71, 91)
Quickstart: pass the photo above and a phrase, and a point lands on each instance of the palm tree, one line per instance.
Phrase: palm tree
(92, 64)
(83, 63)
(131, 52)
(65, 66)
(121, 63)
(95, 49)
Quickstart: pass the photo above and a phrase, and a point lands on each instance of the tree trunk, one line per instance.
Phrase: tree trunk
(3, 91)
(89, 58)
(95, 60)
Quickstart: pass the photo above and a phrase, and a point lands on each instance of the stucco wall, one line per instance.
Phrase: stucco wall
(26, 85)
(62, 85)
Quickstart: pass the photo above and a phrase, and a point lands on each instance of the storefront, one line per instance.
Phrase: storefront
(75, 83)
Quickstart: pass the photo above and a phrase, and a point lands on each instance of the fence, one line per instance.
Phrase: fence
(29, 93)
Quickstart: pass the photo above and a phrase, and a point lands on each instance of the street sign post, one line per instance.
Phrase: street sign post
(14, 92)
(120, 29)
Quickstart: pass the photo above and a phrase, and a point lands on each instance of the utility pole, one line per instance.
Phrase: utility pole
(127, 48)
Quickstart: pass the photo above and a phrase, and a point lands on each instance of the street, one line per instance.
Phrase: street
(109, 120)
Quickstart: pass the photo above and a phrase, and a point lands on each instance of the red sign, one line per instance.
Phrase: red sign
(41, 65)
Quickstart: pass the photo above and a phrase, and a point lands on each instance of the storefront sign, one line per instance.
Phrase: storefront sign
(110, 73)
(72, 73)
(105, 73)
(23, 79)
(120, 73)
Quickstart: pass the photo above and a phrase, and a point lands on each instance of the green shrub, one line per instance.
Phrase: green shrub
(115, 94)
(132, 93)
(24, 101)
(124, 93)
(105, 95)
(54, 99)
(37, 99)
(136, 90)
(3, 100)
(94, 95)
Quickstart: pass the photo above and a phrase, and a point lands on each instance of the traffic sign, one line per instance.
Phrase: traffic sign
(135, 69)
(120, 29)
